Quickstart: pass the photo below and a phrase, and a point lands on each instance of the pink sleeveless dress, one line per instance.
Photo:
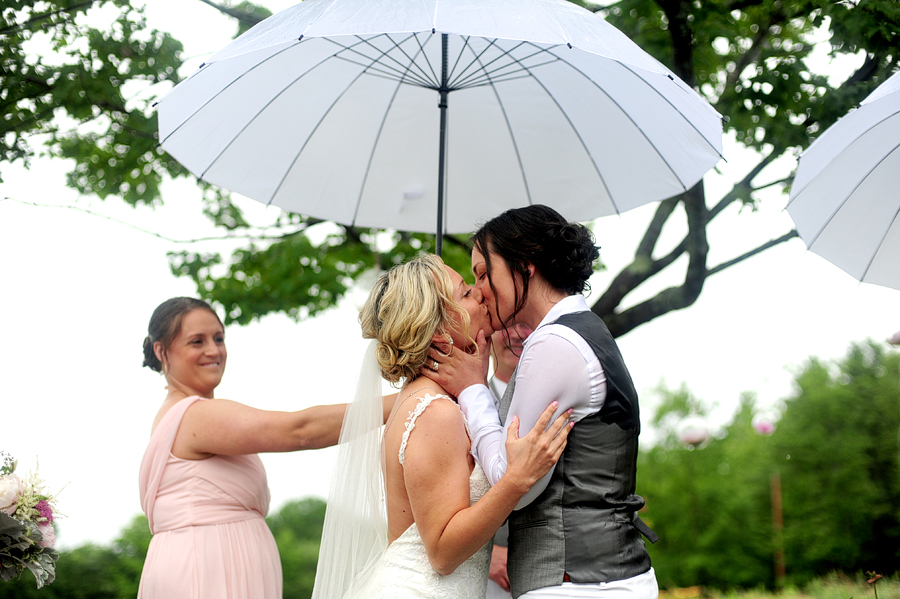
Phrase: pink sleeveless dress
(210, 538)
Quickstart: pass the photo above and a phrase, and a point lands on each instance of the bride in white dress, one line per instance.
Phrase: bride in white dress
(410, 513)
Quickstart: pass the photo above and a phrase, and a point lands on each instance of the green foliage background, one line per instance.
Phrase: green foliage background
(94, 572)
(835, 449)
(836, 445)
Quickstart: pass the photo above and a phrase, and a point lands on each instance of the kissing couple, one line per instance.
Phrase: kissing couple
(414, 506)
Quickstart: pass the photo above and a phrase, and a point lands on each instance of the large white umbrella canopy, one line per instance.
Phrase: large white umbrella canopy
(845, 199)
(369, 112)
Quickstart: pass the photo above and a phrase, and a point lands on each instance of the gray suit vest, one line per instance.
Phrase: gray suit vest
(585, 522)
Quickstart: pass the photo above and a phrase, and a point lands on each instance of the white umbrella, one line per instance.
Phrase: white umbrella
(367, 112)
(845, 199)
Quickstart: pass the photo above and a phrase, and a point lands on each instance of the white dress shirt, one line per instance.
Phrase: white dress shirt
(556, 364)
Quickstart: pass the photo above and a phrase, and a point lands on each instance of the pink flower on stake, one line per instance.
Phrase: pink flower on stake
(764, 427)
(45, 510)
(764, 423)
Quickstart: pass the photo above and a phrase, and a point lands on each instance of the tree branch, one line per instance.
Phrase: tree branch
(787, 179)
(682, 36)
(68, 9)
(255, 236)
(243, 17)
(698, 244)
(787, 236)
(654, 230)
(351, 232)
(742, 185)
(751, 55)
(864, 72)
(673, 298)
(643, 266)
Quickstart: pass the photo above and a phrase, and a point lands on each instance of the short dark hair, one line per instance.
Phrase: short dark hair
(563, 252)
(165, 323)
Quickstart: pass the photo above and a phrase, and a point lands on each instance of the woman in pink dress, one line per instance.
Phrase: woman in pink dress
(202, 486)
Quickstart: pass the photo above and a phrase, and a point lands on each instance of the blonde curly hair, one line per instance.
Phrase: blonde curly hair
(407, 306)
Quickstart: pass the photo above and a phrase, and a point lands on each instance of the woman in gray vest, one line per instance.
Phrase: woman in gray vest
(577, 532)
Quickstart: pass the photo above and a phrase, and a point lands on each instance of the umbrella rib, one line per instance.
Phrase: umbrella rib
(399, 71)
(267, 104)
(411, 61)
(578, 135)
(375, 142)
(388, 73)
(217, 94)
(457, 80)
(309, 137)
(520, 72)
(623, 111)
(856, 139)
(483, 73)
(886, 231)
(685, 118)
(261, 110)
(844, 201)
(512, 137)
(437, 78)
(500, 79)
(451, 76)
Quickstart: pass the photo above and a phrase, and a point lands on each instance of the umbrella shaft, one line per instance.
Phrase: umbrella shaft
(441, 161)
(442, 104)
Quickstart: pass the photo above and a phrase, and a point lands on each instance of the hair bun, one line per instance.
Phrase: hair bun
(150, 359)
(571, 253)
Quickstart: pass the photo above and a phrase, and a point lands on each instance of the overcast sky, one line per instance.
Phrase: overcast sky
(78, 290)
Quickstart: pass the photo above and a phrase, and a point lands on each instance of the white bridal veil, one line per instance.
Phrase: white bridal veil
(355, 531)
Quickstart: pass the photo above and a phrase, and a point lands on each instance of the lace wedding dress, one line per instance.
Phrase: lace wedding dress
(355, 560)
(403, 572)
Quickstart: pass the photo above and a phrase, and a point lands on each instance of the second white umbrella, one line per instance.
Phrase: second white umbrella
(845, 199)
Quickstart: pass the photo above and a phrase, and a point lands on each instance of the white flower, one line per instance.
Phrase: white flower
(11, 486)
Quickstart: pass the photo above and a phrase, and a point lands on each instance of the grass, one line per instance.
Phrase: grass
(833, 586)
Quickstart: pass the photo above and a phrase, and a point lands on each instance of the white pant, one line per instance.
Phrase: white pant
(495, 592)
(642, 586)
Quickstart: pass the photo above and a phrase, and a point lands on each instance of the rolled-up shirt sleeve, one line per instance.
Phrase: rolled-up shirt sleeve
(551, 369)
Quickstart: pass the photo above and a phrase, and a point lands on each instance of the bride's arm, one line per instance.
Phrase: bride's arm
(436, 473)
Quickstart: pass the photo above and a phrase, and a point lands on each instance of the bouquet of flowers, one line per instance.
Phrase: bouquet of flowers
(26, 525)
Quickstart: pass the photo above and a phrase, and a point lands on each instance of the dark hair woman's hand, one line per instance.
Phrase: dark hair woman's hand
(454, 369)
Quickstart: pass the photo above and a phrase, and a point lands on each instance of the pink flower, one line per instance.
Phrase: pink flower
(49, 536)
(46, 511)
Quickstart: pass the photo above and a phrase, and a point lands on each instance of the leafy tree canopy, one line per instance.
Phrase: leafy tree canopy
(749, 58)
(67, 81)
